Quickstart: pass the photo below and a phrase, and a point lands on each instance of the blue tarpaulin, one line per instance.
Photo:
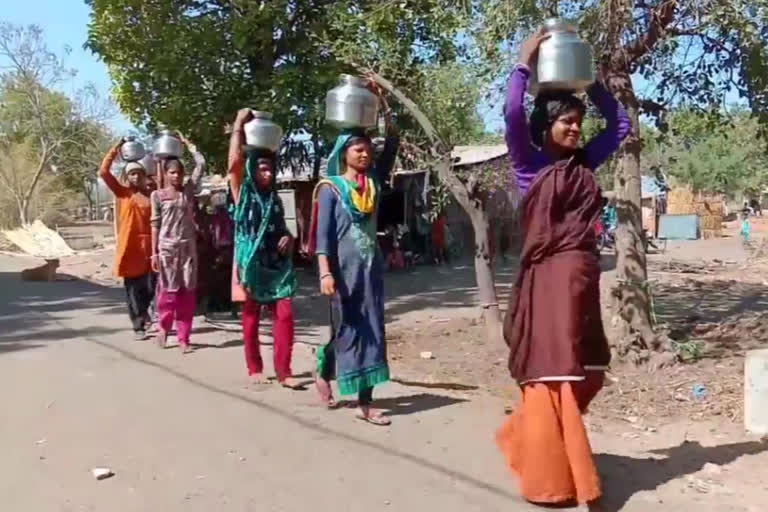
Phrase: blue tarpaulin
(651, 187)
(679, 227)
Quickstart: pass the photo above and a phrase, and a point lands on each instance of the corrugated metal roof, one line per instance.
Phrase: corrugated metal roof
(470, 155)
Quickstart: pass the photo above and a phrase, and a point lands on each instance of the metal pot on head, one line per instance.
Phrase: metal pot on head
(262, 133)
(149, 164)
(565, 62)
(351, 104)
(167, 145)
(132, 150)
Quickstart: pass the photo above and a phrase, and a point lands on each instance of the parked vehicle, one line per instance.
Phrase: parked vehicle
(606, 236)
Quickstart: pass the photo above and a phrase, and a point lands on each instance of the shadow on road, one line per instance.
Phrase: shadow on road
(411, 404)
(625, 476)
(27, 306)
(42, 312)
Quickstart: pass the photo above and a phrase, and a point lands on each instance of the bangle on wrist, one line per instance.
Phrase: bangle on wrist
(327, 274)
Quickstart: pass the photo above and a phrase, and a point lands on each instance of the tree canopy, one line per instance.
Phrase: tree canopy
(710, 151)
(191, 65)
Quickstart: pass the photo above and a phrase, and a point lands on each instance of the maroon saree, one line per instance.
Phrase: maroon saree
(553, 326)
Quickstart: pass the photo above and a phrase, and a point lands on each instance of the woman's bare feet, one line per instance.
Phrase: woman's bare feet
(373, 416)
(162, 338)
(186, 348)
(258, 379)
(325, 391)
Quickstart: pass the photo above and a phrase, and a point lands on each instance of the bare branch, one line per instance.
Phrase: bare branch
(443, 166)
(661, 17)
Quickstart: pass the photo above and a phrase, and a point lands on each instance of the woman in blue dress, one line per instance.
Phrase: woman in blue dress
(351, 269)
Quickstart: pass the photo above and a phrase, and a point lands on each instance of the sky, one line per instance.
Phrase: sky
(65, 23)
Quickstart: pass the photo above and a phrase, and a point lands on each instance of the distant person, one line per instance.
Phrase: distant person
(558, 349)
(205, 252)
(423, 232)
(174, 247)
(439, 250)
(396, 257)
(746, 227)
(610, 217)
(134, 239)
(223, 241)
(754, 205)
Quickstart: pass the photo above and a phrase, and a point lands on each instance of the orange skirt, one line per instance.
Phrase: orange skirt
(546, 445)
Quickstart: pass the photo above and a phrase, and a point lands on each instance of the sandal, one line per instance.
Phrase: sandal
(326, 393)
(376, 418)
(289, 383)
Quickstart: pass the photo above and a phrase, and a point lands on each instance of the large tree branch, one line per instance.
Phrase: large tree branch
(661, 17)
(443, 165)
(651, 107)
(421, 118)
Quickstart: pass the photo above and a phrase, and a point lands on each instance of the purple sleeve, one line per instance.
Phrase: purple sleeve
(326, 222)
(618, 126)
(518, 135)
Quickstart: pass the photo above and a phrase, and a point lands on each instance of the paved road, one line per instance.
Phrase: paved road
(186, 433)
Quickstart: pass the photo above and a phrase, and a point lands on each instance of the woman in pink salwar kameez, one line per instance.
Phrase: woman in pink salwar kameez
(174, 248)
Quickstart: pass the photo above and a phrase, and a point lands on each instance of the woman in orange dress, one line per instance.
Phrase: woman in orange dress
(134, 239)
(558, 349)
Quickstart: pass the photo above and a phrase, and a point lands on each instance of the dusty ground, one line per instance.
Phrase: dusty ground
(185, 433)
(708, 295)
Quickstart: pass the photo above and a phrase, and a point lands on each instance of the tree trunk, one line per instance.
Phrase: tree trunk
(631, 294)
(486, 287)
(467, 197)
(23, 206)
(87, 186)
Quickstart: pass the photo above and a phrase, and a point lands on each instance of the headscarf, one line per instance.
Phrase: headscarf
(359, 197)
(254, 212)
(548, 106)
(346, 139)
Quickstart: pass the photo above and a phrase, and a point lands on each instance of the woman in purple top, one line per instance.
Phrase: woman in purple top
(558, 349)
(555, 127)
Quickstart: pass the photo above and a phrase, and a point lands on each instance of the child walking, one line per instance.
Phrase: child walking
(174, 248)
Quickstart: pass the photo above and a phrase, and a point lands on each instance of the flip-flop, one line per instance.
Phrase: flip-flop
(377, 419)
(294, 386)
